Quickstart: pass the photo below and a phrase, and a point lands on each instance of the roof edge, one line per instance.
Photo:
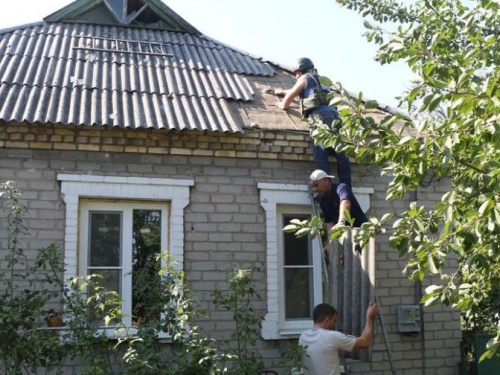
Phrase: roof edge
(23, 26)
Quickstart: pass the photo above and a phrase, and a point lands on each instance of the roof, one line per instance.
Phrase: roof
(122, 70)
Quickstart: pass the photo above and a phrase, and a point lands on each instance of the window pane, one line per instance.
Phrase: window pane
(298, 296)
(296, 250)
(146, 246)
(105, 239)
(109, 280)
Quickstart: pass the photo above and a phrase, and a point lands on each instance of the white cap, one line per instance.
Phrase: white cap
(318, 174)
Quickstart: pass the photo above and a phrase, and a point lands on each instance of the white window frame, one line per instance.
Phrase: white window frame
(296, 325)
(125, 207)
(274, 198)
(76, 187)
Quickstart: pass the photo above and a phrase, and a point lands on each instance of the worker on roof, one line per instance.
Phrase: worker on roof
(313, 103)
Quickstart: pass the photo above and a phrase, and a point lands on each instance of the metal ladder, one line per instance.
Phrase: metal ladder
(326, 282)
(314, 208)
(384, 335)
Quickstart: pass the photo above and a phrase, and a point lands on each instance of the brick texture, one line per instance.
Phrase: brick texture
(224, 223)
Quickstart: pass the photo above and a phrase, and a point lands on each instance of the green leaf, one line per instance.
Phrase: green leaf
(491, 346)
(367, 25)
(302, 232)
(371, 104)
(435, 103)
(405, 139)
(290, 228)
(431, 264)
(485, 207)
(496, 212)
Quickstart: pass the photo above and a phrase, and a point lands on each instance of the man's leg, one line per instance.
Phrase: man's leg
(343, 167)
(321, 157)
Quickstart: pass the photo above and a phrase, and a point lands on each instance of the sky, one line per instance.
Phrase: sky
(277, 30)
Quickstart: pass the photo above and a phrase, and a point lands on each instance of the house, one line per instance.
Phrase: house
(109, 108)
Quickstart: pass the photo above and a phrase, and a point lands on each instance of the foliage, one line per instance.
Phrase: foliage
(239, 299)
(450, 132)
(88, 319)
(30, 289)
(168, 309)
(22, 302)
(291, 355)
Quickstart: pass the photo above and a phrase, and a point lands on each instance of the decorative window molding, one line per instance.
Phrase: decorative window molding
(277, 199)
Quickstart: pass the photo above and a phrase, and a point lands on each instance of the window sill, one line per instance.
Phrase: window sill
(283, 334)
(110, 332)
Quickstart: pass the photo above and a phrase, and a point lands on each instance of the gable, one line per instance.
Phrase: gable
(151, 14)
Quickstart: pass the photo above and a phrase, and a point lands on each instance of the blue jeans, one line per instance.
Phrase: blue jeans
(327, 115)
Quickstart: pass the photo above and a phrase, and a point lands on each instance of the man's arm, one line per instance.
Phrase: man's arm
(346, 195)
(291, 94)
(345, 205)
(365, 340)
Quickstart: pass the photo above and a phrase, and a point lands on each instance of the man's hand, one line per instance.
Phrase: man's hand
(372, 311)
(280, 105)
(279, 93)
(326, 254)
(340, 226)
(341, 222)
(270, 90)
(366, 338)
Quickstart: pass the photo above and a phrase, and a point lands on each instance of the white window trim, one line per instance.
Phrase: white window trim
(75, 187)
(294, 326)
(271, 196)
(86, 207)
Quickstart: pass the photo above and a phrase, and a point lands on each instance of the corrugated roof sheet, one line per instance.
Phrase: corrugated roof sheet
(118, 76)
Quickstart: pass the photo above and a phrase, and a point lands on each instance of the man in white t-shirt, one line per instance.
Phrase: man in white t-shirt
(322, 343)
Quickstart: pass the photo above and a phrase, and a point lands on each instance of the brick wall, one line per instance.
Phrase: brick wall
(224, 223)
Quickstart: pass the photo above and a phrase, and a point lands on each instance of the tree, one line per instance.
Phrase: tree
(450, 132)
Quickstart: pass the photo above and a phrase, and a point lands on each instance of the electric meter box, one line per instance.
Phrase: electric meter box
(409, 319)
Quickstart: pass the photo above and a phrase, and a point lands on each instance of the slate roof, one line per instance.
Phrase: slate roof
(130, 77)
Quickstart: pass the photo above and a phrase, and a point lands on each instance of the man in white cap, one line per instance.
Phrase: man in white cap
(335, 200)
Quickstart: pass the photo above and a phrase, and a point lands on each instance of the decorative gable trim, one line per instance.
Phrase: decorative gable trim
(147, 14)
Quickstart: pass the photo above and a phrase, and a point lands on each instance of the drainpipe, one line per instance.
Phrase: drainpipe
(418, 298)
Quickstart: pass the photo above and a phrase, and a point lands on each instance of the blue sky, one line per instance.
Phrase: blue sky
(279, 30)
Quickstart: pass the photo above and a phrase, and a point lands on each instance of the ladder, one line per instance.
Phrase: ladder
(314, 209)
(384, 335)
(328, 291)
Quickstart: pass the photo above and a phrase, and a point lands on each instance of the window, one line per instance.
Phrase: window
(120, 241)
(294, 278)
(110, 232)
(299, 271)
